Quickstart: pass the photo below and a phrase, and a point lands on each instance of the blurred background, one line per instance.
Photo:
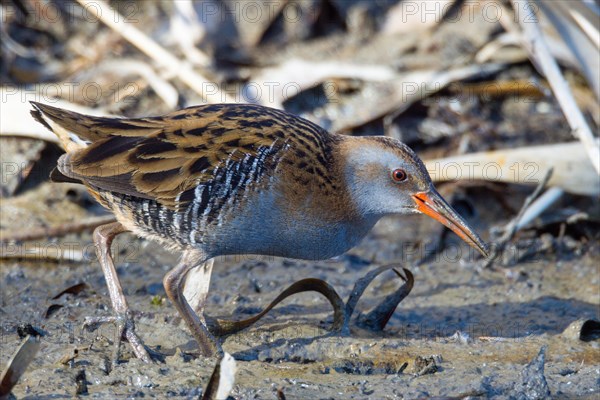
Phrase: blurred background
(446, 77)
(491, 94)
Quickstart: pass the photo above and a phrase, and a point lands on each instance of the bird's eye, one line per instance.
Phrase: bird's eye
(399, 175)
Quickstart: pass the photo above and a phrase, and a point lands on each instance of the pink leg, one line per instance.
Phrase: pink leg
(103, 237)
(173, 283)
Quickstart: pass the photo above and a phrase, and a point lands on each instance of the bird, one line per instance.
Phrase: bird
(224, 179)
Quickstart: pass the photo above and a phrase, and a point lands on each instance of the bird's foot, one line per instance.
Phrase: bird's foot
(378, 317)
(375, 320)
(125, 329)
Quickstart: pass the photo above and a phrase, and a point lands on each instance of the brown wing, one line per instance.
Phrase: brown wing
(166, 158)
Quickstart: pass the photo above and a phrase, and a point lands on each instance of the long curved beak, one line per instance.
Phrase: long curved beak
(431, 203)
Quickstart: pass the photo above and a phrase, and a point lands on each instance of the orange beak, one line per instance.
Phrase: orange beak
(431, 203)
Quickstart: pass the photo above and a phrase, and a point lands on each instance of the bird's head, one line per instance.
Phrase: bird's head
(384, 176)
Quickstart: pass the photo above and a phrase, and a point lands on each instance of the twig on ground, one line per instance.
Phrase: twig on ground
(187, 30)
(55, 231)
(540, 54)
(509, 231)
(538, 206)
(165, 90)
(304, 74)
(390, 98)
(40, 253)
(573, 172)
(18, 364)
(102, 10)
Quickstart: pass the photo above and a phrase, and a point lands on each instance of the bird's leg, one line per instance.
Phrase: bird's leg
(173, 283)
(103, 237)
(196, 286)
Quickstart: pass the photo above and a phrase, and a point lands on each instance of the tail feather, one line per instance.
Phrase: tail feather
(57, 176)
(63, 124)
(37, 115)
(76, 130)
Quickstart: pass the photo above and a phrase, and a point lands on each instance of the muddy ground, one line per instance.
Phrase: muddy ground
(465, 331)
(481, 326)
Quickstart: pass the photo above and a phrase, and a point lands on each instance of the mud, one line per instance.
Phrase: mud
(511, 331)
(480, 328)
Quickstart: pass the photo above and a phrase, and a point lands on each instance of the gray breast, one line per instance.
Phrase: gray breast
(263, 228)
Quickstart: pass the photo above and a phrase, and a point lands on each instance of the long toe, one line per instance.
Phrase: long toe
(125, 330)
(378, 317)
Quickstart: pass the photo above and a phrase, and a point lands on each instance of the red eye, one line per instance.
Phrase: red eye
(399, 175)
